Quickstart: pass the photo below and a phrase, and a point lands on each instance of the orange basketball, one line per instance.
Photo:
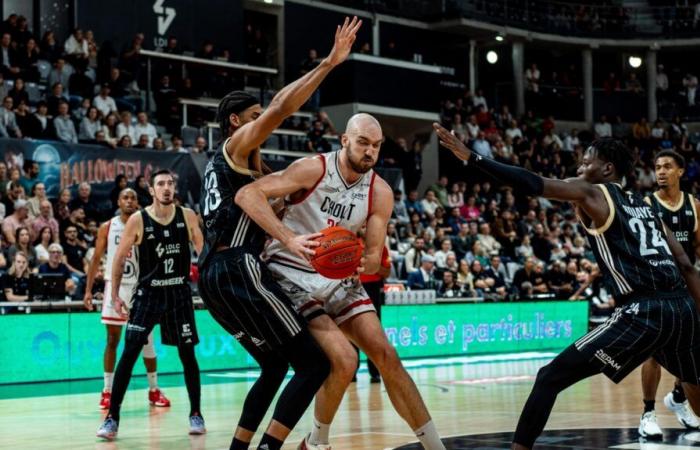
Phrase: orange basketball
(339, 253)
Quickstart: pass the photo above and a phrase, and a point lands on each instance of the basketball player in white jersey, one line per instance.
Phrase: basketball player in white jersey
(108, 237)
(338, 188)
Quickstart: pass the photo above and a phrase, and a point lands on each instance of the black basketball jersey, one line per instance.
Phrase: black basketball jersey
(225, 223)
(631, 247)
(682, 220)
(164, 252)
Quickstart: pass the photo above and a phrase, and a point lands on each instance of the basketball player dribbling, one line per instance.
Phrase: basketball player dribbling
(338, 188)
(679, 212)
(108, 237)
(235, 284)
(645, 272)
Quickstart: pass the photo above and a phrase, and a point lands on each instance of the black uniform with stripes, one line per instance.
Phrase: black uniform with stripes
(163, 293)
(242, 296)
(236, 287)
(682, 220)
(656, 315)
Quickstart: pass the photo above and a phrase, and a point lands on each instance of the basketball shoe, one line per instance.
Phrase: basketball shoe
(197, 424)
(649, 427)
(304, 445)
(683, 413)
(157, 398)
(105, 400)
(108, 430)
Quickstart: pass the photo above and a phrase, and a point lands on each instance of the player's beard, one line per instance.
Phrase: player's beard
(357, 165)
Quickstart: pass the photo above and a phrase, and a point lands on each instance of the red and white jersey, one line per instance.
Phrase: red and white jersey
(330, 202)
(131, 267)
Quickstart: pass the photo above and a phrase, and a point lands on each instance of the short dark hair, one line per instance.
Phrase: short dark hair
(616, 153)
(160, 172)
(680, 160)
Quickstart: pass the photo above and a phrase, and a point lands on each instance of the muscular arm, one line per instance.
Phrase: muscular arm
(690, 275)
(251, 135)
(129, 237)
(100, 246)
(375, 236)
(195, 230)
(253, 198)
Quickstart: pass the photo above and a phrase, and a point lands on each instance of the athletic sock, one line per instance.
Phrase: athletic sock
(152, 380)
(109, 377)
(238, 445)
(649, 405)
(269, 443)
(429, 437)
(319, 433)
(678, 394)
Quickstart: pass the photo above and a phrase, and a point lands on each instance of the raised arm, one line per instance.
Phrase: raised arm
(292, 97)
(690, 275)
(253, 198)
(100, 246)
(578, 191)
(375, 236)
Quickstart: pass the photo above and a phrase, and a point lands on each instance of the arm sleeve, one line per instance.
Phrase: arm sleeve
(522, 180)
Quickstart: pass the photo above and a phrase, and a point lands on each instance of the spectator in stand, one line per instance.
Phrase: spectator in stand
(415, 254)
(633, 85)
(480, 101)
(571, 141)
(56, 265)
(430, 203)
(8, 118)
(472, 128)
(126, 128)
(532, 78)
(603, 128)
(690, 85)
(560, 281)
(306, 66)
(611, 84)
(3, 87)
(31, 174)
(524, 279)
(18, 218)
(167, 107)
(159, 144)
(144, 127)
(176, 145)
(142, 192)
(74, 250)
(441, 255)
(661, 84)
(641, 130)
(80, 85)
(64, 126)
(413, 204)
(400, 210)
(76, 49)
(18, 92)
(315, 140)
(104, 103)
(45, 219)
(448, 287)
(424, 277)
(8, 58)
(456, 197)
(23, 117)
(678, 128)
(57, 96)
(200, 145)
(14, 193)
(124, 142)
(23, 244)
(61, 207)
(440, 190)
(28, 61)
(41, 246)
(489, 243)
(84, 200)
(49, 49)
(90, 125)
(110, 129)
(470, 210)
(16, 281)
(120, 183)
(81, 111)
(59, 74)
(131, 60)
(481, 146)
(142, 142)
(465, 279)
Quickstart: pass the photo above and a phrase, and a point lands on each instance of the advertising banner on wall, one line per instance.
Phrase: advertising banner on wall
(61, 346)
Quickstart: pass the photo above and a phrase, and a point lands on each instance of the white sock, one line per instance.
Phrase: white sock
(319, 433)
(428, 437)
(152, 380)
(109, 376)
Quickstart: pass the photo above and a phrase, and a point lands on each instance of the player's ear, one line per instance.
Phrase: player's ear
(235, 120)
(344, 139)
(608, 169)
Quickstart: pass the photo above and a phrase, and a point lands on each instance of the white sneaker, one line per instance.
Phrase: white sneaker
(304, 445)
(648, 427)
(683, 413)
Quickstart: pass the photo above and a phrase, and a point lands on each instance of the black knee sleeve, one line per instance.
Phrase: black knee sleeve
(122, 375)
(273, 370)
(191, 369)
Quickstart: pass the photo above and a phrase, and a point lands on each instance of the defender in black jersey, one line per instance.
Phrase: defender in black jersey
(678, 211)
(161, 235)
(643, 269)
(235, 285)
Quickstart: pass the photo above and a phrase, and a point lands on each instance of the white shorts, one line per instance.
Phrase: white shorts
(109, 315)
(313, 294)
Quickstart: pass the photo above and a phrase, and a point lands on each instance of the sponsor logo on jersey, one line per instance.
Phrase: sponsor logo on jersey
(166, 233)
(150, 236)
(359, 196)
(180, 225)
(607, 359)
(675, 219)
(134, 327)
(186, 330)
(177, 281)
(689, 213)
(149, 229)
(167, 249)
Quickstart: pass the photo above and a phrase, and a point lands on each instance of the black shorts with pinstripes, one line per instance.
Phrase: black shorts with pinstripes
(665, 326)
(171, 307)
(242, 296)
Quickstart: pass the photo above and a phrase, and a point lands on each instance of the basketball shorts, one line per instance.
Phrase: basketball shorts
(665, 326)
(109, 315)
(170, 307)
(313, 294)
(242, 296)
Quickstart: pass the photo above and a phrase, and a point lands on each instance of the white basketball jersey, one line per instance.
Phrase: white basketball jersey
(114, 235)
(330, 202)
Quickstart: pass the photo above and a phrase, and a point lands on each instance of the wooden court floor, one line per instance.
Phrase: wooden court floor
(464, 397)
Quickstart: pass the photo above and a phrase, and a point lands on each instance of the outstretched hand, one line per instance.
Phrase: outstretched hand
(452, 142)
(344, 38)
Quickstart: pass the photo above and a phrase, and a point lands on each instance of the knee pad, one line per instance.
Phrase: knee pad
(149, 349)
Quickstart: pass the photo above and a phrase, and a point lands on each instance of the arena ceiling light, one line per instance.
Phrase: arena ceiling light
(499, 38)
(492, 57)
(634, 61)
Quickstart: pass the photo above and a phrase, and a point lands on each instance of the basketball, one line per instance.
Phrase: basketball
(339, 253)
